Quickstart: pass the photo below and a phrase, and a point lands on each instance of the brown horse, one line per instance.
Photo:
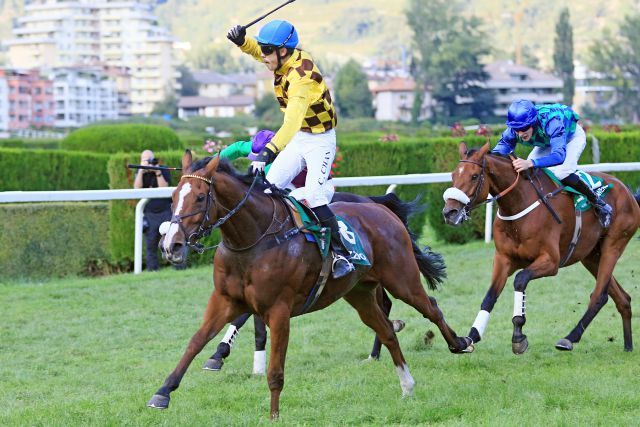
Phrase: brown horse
(528, 237)
(257, 269)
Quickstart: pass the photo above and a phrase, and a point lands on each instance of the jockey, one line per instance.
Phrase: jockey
(557, 140)
(307, 136)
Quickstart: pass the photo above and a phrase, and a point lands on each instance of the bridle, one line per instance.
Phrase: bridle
(204, 228)
(471, 204)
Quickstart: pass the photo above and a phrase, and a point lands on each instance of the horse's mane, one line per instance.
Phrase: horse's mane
(227, 168)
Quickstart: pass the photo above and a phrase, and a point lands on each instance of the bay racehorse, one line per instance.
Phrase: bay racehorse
(258, 270)
(535, 231)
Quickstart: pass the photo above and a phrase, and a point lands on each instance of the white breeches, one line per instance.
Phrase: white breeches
(575, 147)
(316, 152)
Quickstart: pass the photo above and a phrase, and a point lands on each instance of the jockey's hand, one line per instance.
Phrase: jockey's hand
(257, 167)
(236, 35)
(521, 165)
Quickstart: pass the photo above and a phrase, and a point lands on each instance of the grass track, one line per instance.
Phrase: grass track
(93, 351)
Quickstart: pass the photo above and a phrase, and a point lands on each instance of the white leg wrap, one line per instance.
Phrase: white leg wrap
(231, 335)
(406, 380)
(482, 319)
(518, 304)
(259, 362)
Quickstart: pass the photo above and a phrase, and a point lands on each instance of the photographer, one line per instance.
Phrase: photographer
(157, 210)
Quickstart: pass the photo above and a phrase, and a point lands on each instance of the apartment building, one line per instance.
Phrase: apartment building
(59, 33)
(83, 96)
(4, 106)
(230, 106)
(29, 99)
(216, 85)
(512, 81)
(393, 98)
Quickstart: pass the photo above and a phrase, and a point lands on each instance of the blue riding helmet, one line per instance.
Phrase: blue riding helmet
(279, 34)
(521, 114)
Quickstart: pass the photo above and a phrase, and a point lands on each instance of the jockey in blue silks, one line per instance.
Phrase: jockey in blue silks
(557, 140)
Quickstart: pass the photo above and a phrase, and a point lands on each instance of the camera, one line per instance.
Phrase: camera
(153, 162)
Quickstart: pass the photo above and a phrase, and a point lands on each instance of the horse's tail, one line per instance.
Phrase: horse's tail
(431, 264)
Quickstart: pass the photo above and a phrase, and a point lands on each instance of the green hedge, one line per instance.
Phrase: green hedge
(122, 138)
(618, 148)
(42, 170)
(52, 239)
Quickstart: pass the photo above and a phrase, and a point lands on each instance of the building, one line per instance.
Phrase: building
(59, 33)
(29, 98)
(191, 106)
(83, 96)
(216, 85)
(393, 99)
(4, 106)
(511, 81)
(593, 90)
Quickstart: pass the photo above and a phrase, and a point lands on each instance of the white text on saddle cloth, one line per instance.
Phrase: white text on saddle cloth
(346, 234)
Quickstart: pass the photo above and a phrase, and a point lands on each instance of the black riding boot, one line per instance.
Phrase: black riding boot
(602, 208)
(341, 263)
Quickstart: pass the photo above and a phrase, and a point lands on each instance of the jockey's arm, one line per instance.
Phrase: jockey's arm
(252, 48)
(507, 143)
(236, 150)
(297, 107)
(558, 140)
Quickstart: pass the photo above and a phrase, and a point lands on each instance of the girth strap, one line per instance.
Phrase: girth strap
(574, 240)
(319, 286)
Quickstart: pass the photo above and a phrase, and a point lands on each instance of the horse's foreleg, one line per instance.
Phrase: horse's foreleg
(545, 265)
(278, 319)
(363, 299)
(218, 313)
(501, 271)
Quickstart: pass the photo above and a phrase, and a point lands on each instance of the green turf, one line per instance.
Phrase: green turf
(93, 351)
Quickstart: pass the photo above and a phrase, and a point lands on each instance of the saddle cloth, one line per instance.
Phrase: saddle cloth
(579, 200)
(308, 223)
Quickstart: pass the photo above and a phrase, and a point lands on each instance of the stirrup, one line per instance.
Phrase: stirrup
(338, 267)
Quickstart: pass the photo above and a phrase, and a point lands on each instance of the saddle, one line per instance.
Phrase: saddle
(579, 200)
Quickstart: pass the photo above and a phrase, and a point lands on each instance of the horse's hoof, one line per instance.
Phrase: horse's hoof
(564, 345)
(520, 347)
(470, 349)
(398, 325)
(629, 348)
(370, 359)
(213, 365)
(158, 401)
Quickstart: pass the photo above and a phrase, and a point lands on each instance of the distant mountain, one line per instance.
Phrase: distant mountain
(339, 29)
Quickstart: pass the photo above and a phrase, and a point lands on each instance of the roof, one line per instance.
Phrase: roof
(507, 73)
(203, 101)
(396, 84)
(212, 78)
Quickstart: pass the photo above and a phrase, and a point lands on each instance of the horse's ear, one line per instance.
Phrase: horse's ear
(187, 159)
(485, 149)
(462, 149)
(213, 165)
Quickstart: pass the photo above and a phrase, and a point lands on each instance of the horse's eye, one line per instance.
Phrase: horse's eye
(474, 177)
(200, 198)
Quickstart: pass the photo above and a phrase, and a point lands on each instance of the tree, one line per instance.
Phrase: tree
(167, 107)
(267, 109)
(563, 56)
(216, 57)
(189, 85)
(353, 98)
(618, 55)
(448, 49)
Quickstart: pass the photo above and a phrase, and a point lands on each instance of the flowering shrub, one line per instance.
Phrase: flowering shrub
(483, 130)
(390, 137)
(458, 130)
(211, 146)
(612, 128)
(336, 163)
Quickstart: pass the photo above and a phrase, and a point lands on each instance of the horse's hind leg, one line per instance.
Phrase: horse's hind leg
(362, 298)
(218, 313)
(619, 296)
(408, 288)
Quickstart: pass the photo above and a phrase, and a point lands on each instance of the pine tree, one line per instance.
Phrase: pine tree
(563, 56)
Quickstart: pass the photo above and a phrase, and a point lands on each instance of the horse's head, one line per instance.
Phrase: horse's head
(469, 185)
(191, 208)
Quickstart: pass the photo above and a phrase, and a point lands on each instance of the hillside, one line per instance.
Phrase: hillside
(338, 29)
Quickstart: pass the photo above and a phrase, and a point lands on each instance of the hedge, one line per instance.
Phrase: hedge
(52, 170)
(53, 239)
(122, 138)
